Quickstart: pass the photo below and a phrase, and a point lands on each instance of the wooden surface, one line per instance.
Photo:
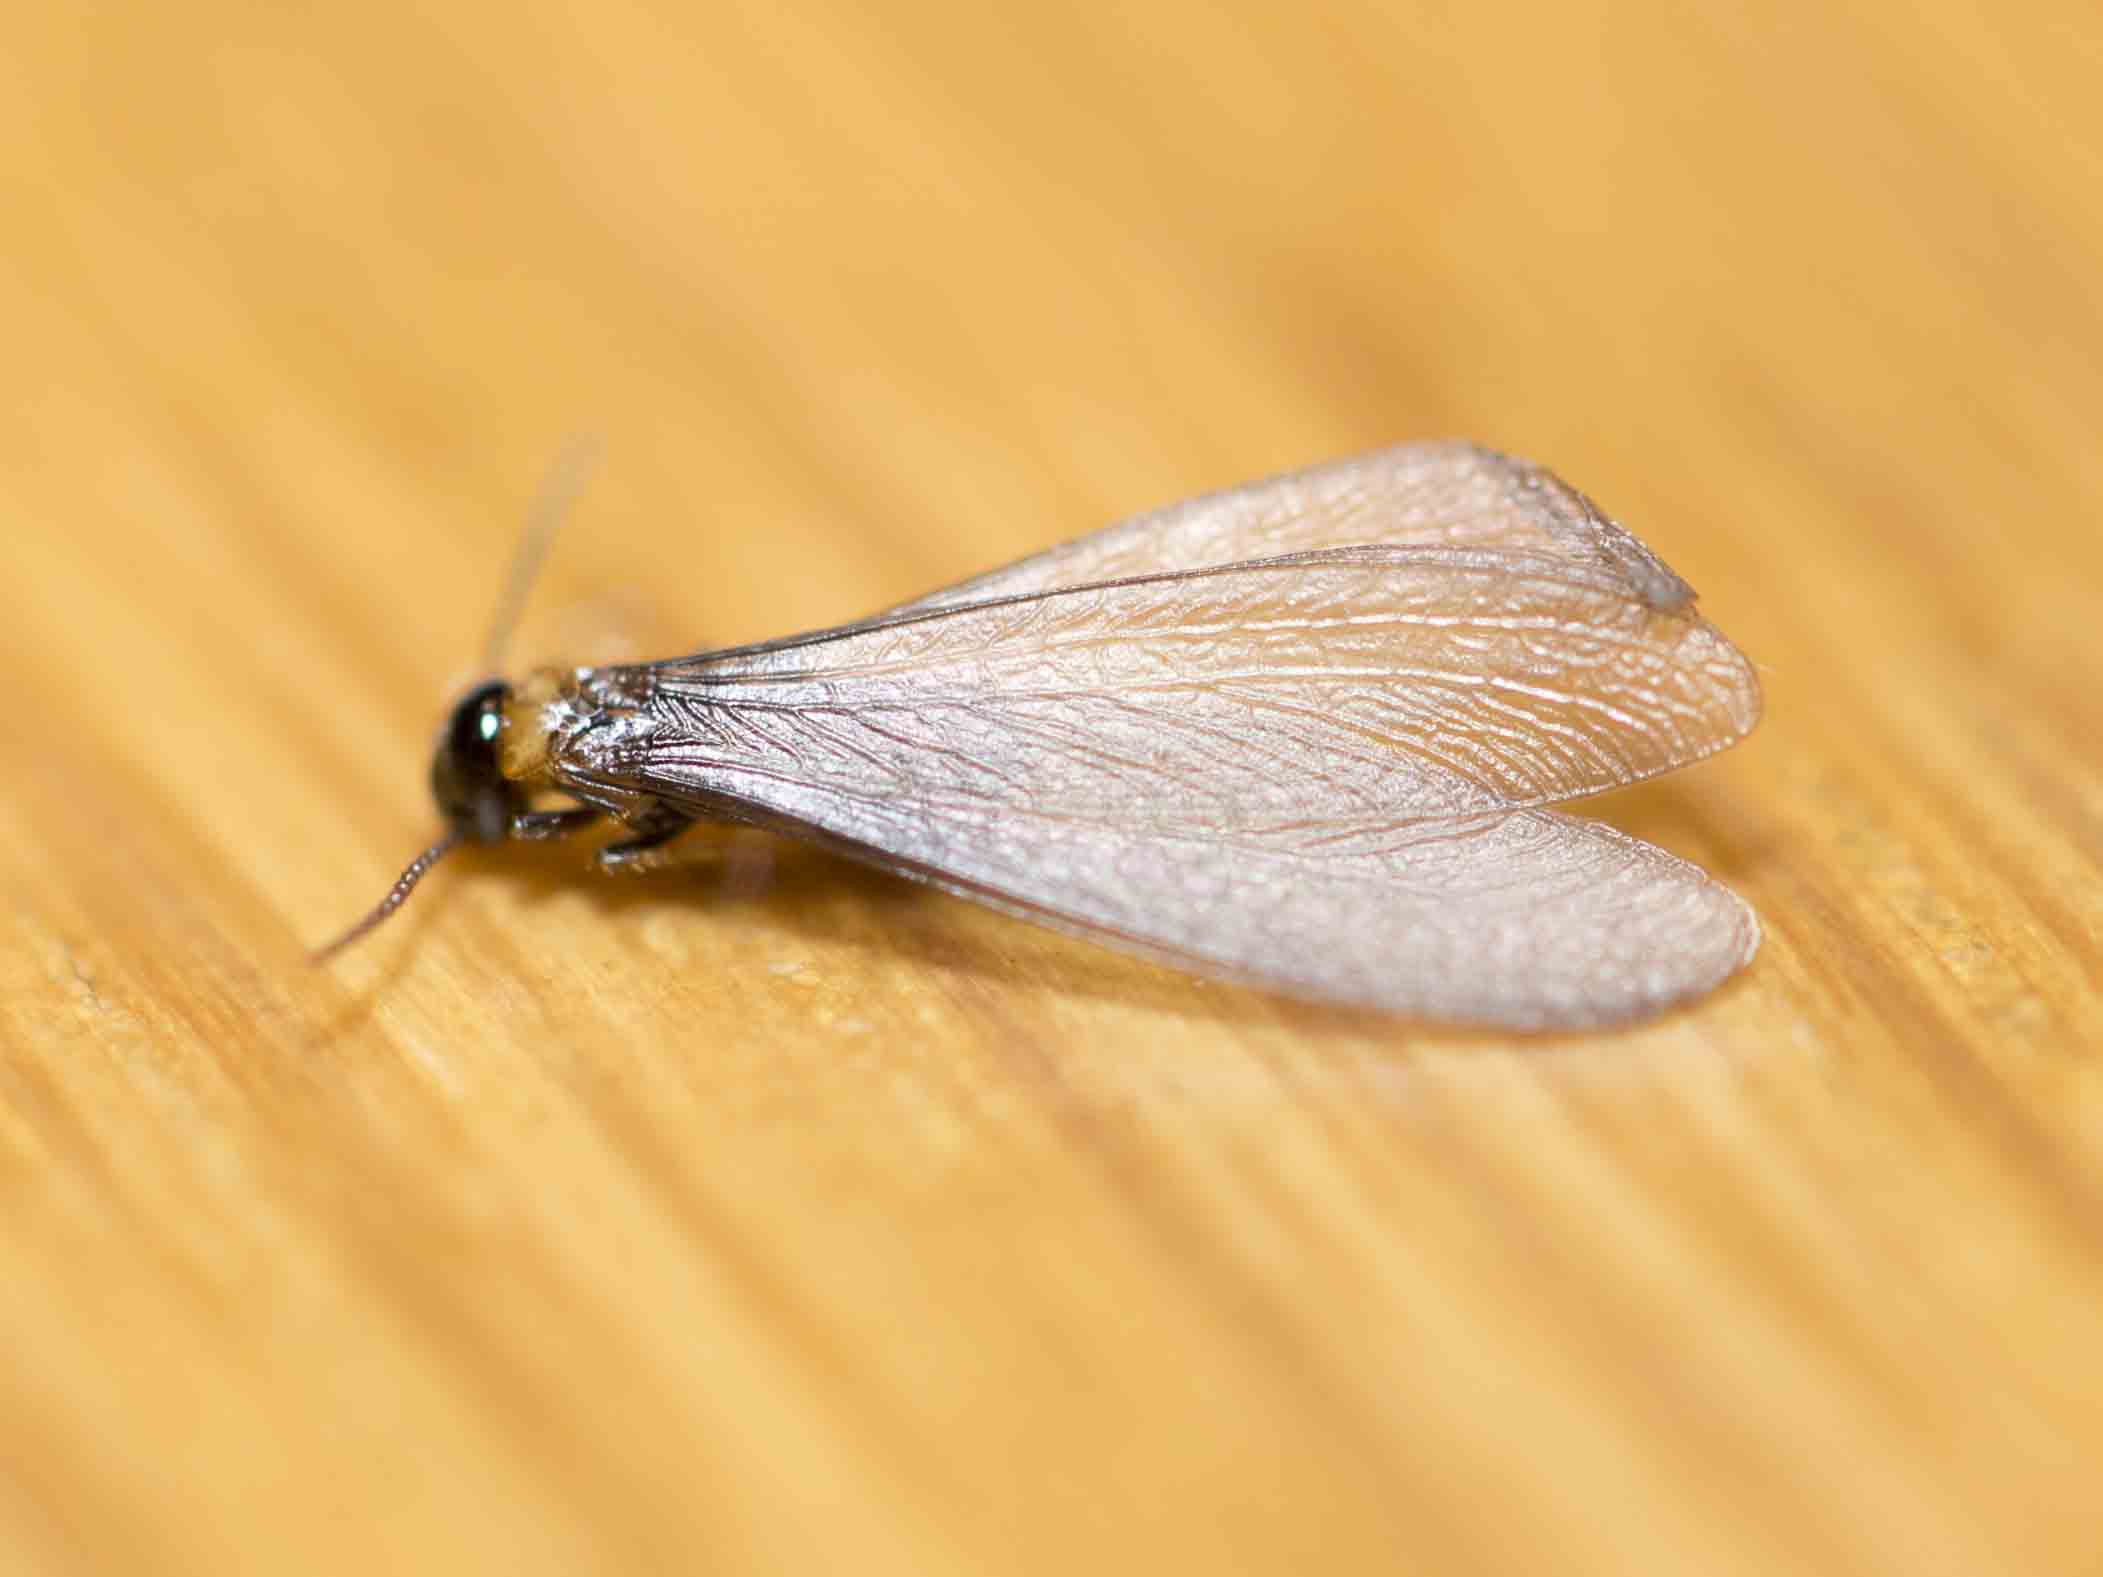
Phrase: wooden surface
(766, 1215)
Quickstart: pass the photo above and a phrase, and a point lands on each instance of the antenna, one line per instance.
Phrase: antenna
(558, 491)
(550, 506)
(404, 884)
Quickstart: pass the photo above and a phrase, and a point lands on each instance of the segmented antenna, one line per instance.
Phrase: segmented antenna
(564, 481)
(403, 886)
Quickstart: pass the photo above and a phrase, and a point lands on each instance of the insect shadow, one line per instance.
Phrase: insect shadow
(826, 899)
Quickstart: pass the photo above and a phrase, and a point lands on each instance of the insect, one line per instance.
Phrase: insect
(1304, 733)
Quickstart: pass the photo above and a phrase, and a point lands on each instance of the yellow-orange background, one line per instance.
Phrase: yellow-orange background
(768, 1215)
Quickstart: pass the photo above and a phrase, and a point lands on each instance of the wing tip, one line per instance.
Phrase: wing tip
(1534, 487)
(1737, 682)
(1703, 967)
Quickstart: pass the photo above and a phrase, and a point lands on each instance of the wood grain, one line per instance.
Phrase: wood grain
(767, 1215)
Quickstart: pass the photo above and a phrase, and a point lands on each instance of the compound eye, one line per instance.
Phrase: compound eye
(466, 780)
(471, 737)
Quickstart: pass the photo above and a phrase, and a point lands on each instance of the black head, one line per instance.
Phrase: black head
(473, 794)
(479, 803)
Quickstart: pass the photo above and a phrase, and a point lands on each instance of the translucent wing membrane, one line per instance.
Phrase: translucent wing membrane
(1446, 494)
(1322, 770)
(1360, 686)
(1527, 919)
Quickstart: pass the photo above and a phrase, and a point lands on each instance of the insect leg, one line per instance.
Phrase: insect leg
(553, 823)
(654, 828)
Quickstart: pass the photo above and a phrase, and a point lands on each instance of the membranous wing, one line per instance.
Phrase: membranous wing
(1324, 771)
(1442, 494)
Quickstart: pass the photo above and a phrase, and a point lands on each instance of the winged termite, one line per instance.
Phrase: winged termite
(1303, 733)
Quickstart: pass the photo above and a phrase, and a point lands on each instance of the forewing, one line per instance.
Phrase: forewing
(1381, 685)
(1318, 771)
(1447, 494)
